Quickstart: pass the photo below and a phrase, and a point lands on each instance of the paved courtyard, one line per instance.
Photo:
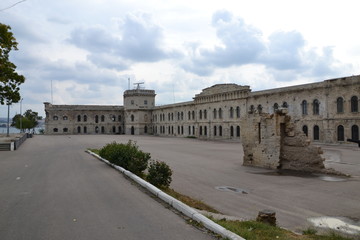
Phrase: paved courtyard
(201, 167)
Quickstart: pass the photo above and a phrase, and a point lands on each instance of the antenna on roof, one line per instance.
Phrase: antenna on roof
(138, 85)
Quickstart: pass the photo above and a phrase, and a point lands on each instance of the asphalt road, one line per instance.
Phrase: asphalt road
(51, 189)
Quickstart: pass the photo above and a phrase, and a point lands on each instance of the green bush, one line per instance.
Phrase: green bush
(159, 174)
(127, 156)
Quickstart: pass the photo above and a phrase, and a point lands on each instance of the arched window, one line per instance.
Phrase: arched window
(340, 133)
(178, 130)
(79, 118)
(220, 131)
(238, 131)
(193, 115)
(133, 118)
(132, 130)
(276, 106)
(205, 131)
(316, 132)
(189, 115)
(182, 115)
(120, 129)
(145, 129)
(259, 108)
(285, 105)
(231, 112)
(102, 129)
(316, 107)
(55, 130)
(200, 130)
(113, 118)
(55, 118)
(96, 118)
(205, 114)
(102, 118)
(355, 132)
(220, 113)
(252, 109)
(214, 113)
(85, 118)
(172, 116)
(189, 130)
(78, 129)
(114, 129)
(65, 130)
(65, 118)
(304, 107)
(96, 129)
(214, 130)
(231, 131)
(182, 130)
(237, 112)
(200, 114)
(354, 104)
(119, 118)
(305, 130)
(178, 118)
(85, 129)
(340, 105)
(193, 130)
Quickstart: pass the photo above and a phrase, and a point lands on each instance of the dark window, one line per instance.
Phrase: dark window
(305, 130)
(182, 130)
(214, 130)
(65, 130)
(340, 105)
(145, 102)
(220, 113)
(285, 105)
(193, 130)
(304, 107)
(79, 129)
(355, 132)
(238, 131)
(354, 104)
(220, 131)
(178, 116)
(102, 129)
(114, 129)
(276, 106)
(215, 113)
(252, 109)
(237, 112)
(85, 118)
(55, 130)
(79, 118)
(200, 114)
(119, 118)
(200, 130)
(65, 118)
(55, 118)
(316, 132)
(96, 119)
(231, 131)
(182, 115)
(178, 130)
(193, 115)
(189, 115)
(132, 118)
(113, 118)
(340, 133)
(120, 130)
(259, 108)
(205, 114)
(96, 129)
(132, 130)
(231, 112)
(316, 107)
(102, 118)
(205, 131)
(145, 129)
(189, 130)
(85, 129)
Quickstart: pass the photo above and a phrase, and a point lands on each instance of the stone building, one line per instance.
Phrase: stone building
(325, 111)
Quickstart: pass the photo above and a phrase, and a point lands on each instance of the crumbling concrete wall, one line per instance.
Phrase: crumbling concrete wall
(271, 141)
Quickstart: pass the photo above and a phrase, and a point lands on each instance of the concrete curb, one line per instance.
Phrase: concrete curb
(181, 207)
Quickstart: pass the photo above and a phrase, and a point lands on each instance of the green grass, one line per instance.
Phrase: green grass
(94, 150)
(252, 230)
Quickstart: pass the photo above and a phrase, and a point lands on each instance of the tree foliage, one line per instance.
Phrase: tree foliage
(9, 78)
(159, 174)
(28, 120)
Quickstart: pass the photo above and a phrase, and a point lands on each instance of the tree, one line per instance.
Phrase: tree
(28, 120)
(9, 78)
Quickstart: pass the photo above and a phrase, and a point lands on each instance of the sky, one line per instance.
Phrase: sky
(85, 52)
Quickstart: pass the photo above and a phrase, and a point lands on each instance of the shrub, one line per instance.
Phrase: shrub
(127, 156)
(159, 174)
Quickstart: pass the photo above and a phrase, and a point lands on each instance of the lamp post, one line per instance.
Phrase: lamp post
(21, 115)
(8, 120)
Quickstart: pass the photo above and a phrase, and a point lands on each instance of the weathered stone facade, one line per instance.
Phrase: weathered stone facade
(326, 111)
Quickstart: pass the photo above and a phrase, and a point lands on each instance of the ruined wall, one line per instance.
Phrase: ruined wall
(272, 141)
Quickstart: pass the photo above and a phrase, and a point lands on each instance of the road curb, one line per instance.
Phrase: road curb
(178, 205)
